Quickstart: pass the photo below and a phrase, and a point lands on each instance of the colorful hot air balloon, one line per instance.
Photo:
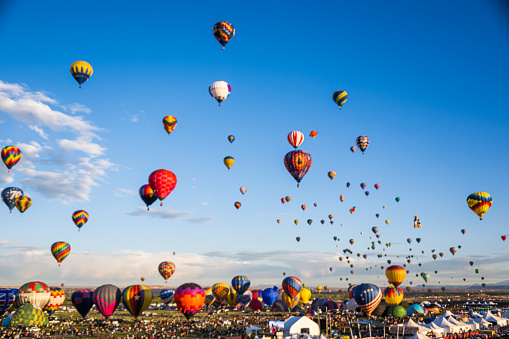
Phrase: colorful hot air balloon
(363, 185)
(56, 299)
(147, 195)
(169, 123)
(331, 174)
(80, 218)
(29, 315)
(298, 239)
(303, 207)
(228, 162)
(353, 149)
(22, 203)
(340, 97)
(425, 276)
(463, 231)
(60, 251)
(224, 32)
(241, 284)
(189, 299)
(397, 199)
(341, 198)
(237, 204)
(291, 302)
(362, 143)
(11, 155)
(367, 296)
(479, 202)
(220, 90)
(313, 134)
(106, 299)
(136, 299)
(304, 295)
(231, 139)
(9, 195)
(166, 269)
(36, 293)
(82, 301)
(167, 295)
(81, 71)
(393, 295)
(298, 164)
(6, 299)
(295, 138)
(162, 182)
(453, 250)
(395, 275)
(231, 298)
(374, 229)
(292, 286)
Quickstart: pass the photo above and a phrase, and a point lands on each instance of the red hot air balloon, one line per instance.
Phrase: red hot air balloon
(503, 237)
(313, 134)
(377, 186)
(162, 183)
(295, 138)
(463, 231)
(298, 164)
(189, 299)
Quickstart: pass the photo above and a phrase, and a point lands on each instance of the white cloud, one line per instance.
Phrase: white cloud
(122, 192)
(83, 145)
(134, 118)
(159, 214)
(204, 203)
(79, 108)
(200, 220)
(38, 131)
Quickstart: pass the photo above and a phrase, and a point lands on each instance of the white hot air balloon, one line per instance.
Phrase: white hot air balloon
(220, 90)
(243, 190)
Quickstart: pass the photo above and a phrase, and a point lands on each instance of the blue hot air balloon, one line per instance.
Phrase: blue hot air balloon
(82, 301)
(167, 295)
(367, 296)
(269, 295)
(10, 194)
(6, 299)
(240, 284)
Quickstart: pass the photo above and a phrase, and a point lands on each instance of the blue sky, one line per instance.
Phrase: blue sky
(426, 82)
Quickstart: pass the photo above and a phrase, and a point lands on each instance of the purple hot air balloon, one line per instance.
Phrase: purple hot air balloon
(106, 299)
(82, 301)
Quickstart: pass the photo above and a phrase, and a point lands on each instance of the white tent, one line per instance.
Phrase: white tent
(432, 327)
(482, 323)
(448, 314)
(297, 325)
(462, 326)
(494, 319)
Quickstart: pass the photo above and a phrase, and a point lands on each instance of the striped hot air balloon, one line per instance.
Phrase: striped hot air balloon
(60, 251)
(479, 203)
(136, 299)
(80, 218)
(11, 155)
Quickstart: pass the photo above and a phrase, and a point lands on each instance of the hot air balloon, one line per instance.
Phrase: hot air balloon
(82, 301)
(9, 195)
(367, 296)
(295, 138)
(395, 275)
(298, 163)
(29, 315)
(224, 32)
(237, 204)
(425, 276)
(243, 190)
(147, 195)
(142, 278)
(80, 218)
(363, 185)
(377, 186)
(362, 143)
(322, 221)
(288, 198)
(231, 139)
(313, 134)
(503, 237)
(331, 174)
(162, 183)
(441, 254)
(397, 199)
(167, 295)
(353, 149)
(409, 240)
(315, 204)
(269, 295)
(11, 155)
(341, 198)
(106, 299)
(471, 263)
(453, 250)
(348, 185)
(434, 256)
(351, 241)
(36, 293)
(166, 269)
(220, 90)
(463, 231)
(367, 193)
(278, 221)
(22, 203)
(393, 295)
(292, 286)
(60, 251)
(228, 162)
(418, 240)
(374, 229)
(304, 295)
(56, 299)
(6, 299)
(291, 302)
(319, 289)
(136, 299)
(169, 123)
(479, 202)
(241, 284)
(377, 215)
(296, 222)
(340, 97)
(220, 291)
(81, 71)
(303, 207)
(298, 239)
(310, 221)
(387, 221)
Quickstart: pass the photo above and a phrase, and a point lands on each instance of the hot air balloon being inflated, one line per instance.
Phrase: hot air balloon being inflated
(295, 138)
(479, 203)
(220, 90)
(11, 155)
(147, 195)
(81, 71)
(80, 218)
(298, 164)
(169, 123)
(340, 97)
(224, 32)
(162, 182)
(60, 251)
(362, 142)
(166, 269)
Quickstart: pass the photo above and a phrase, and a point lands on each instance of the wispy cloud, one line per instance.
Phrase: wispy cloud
(200, 220)
(159, 214)
(65, 169)
(122, 192)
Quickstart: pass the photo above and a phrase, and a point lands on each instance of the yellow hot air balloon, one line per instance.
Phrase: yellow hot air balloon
(393, 295)
(319, 289)
(81, 71)
(231, 298)
(305, 295)
(332, 174)
(479, 203)
(229, 161)
(341, 198)
(296, 222)
(387, 221)
(291, 303)
(169, 123)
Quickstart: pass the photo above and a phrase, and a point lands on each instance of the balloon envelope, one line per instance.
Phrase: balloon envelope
(11, 155)
(189, 299)
(9, 195)
(136, 299)
(36, 293)
(479, 203)
(82, 301)
(298, 163)
(241, 283)
(292, 286)
(81, 71)
(106, 299)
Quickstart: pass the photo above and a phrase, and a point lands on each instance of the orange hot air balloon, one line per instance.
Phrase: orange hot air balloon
(169, 122)
(189, 299)
(331, 174)
(341, 198)
(377, 186)
(395, 275)
(330, 216)
(303, 207)
(278, 221)
(353, 149)
(237, 204)
(313, 134)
